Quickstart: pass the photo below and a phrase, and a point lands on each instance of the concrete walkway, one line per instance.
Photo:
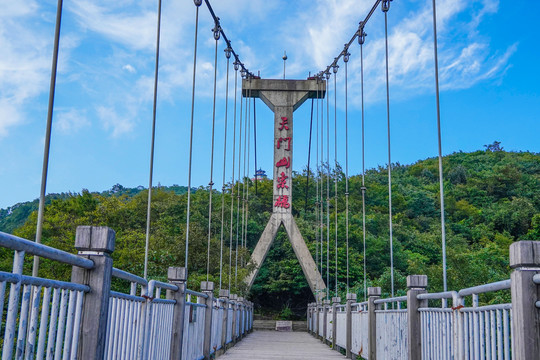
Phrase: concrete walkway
(272, 345)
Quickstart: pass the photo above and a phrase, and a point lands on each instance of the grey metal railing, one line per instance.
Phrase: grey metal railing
(407, 327)
(47, 318)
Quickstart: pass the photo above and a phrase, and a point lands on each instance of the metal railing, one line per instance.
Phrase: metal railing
(445, 325)
(44, 317)
(47, 311)
(474, 332)
(391, 322)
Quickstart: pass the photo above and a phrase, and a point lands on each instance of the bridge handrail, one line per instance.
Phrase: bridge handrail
(30, 247)
(124, 275)
(391, 300)
(438, 296)
(36, 281)
(480, 289)
(196, 293)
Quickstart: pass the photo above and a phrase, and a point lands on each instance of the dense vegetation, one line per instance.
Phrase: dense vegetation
(492, 199)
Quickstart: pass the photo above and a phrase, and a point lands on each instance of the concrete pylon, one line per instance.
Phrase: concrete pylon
(283, 97)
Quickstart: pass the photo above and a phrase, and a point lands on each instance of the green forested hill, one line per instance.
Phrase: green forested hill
(492, 199)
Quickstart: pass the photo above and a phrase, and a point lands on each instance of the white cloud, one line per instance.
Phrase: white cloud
(465, 57)
(112, 121)
(25, 61)
(129, 68)
(70, 121)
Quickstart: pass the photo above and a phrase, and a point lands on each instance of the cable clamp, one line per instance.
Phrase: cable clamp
(211, 183)
(197, 2)
(385, 5)
(361, 33)
(228, 52)
(217, 30)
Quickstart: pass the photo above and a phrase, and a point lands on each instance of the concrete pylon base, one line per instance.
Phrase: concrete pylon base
(301, 251)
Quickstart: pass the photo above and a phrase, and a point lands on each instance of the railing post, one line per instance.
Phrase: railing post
(417, 284)
(373, 294)
(224, 295)
(525, 260)
(178, 277)
(97, 244)
(234, 306)
(314, 310)
(326, 307)
(318, 319)
(241, 325)
(351, 298)
(207, 287)
(310, 318)
(335, 302)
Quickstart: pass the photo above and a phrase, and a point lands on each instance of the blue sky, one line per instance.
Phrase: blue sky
(102, 121)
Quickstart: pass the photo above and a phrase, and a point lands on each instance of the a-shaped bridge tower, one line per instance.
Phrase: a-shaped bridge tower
(283, 97)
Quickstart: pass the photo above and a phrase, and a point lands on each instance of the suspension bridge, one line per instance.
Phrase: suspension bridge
(84, 318)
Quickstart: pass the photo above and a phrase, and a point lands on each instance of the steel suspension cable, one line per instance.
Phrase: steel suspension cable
(233, 160)
(327, 187)
(45, 168)
(228, 56)
(346, 61)
(361, 40)
(335, 70)
(441, 184)
(248, 134)
(238, 195)
(148, 216)
(321, 205)
(309, 154)
(255, 144)
(188, 210)
(217, 35)
(317, 262)
(244, 182)
(385, 8)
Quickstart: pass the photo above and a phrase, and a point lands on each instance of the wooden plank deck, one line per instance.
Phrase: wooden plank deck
(272, 345)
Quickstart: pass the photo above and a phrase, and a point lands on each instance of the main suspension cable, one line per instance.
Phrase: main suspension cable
(228, 56)
(385, 8)
(188, 210)
(217, 35)
(156, 73)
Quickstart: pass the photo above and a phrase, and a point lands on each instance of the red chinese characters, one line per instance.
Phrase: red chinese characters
(284, 124)
(286, 162)
(287, 139)
(282, 202)
(282, 181)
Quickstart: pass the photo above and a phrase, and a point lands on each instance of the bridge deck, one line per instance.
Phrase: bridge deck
(272, 345)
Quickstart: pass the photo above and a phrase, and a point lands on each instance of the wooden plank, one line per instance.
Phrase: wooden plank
(271, 345)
